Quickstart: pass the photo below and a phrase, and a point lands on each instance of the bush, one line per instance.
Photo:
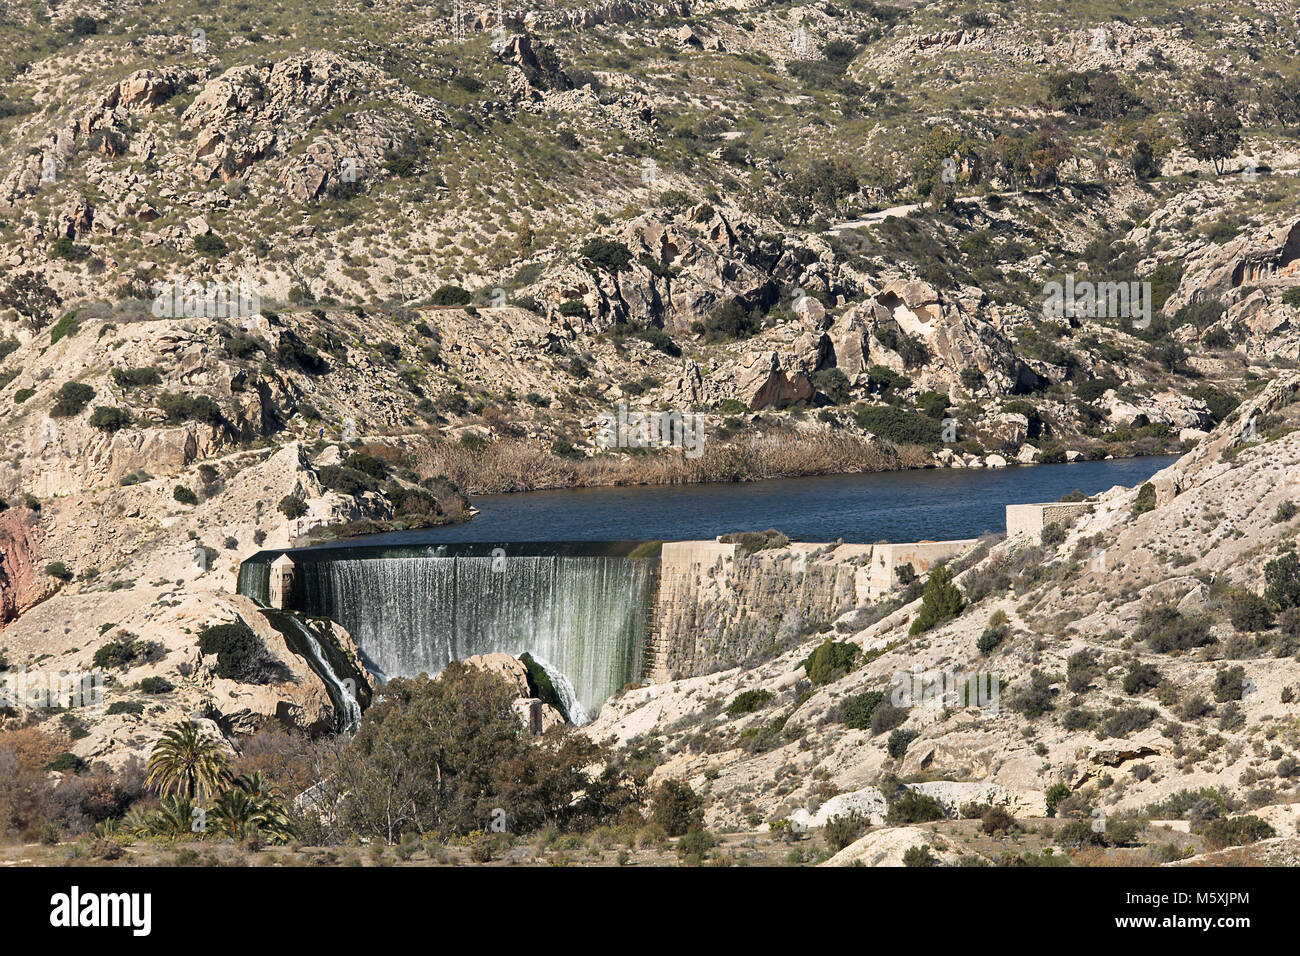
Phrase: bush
(156, 685)
(676, 807)
(919, 856)
(899, 741)
(346, 481)
(833, 384)
(1054, 795)
(125, 707)
(185, 408)
(110, 419)
(1282, 581)
(1249, 612)
(1078, 833)
(856, 711)
(71, 399)
(1035, 699)
(886, 717)
(241, 655)
(1229, 684)
(830, 661)
(1140, 678)
(912, 806)
(127, 378)
(898, 425)
(997, 820)
(1165, 629)
(1128, 720)
(184, 495)
(940, 601)
(1237, 831)
(748, 701)
(370, 465)
(607, 255)
(990, 639)
(292, 507)
(1146, 499)
(840, 831)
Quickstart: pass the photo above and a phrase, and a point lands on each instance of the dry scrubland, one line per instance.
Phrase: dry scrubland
(825, 229)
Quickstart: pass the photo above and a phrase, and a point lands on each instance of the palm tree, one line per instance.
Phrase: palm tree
(186, 762)
(233, 813)
(267, 812)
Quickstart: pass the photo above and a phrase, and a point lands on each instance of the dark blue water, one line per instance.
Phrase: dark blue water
(934, 504)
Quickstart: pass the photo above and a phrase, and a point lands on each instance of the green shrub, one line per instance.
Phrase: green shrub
(71, 399)
(899, 741)
(125, 707)
(748, 701)
(1053, 795)
(346, 481)
(57, 569)
(832, 384)
(1282, 581)
(23, 394)
(676, 807)
(184, 408)
(912, 806)
(1249, 612)
(1141, 678)
(291, 506)
(886, 717)
(240, 653)
(1164, 628)
(1035, 698)
(156, 685)
(830, 661)
(1145, 501)
(856, 711)
(1229, 684)
(1237, 831)
(127, 378)
(451, 295)
(110, 419)
(606, 255)
(840, 831)
(66, 762)
(898, 425)
(940, 601)
(184, 495)
(919, 856)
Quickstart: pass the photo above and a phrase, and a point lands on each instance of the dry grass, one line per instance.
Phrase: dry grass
(511, 466)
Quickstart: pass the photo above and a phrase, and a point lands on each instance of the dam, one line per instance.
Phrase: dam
(596, 616)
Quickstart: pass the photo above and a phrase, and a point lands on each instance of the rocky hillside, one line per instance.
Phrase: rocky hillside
(269, 274)
(1146, 660)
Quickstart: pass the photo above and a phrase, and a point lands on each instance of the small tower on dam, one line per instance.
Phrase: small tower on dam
(280, 589)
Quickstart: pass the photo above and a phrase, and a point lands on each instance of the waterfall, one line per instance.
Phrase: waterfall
(584, 615)
(302, 640)
(564, 688)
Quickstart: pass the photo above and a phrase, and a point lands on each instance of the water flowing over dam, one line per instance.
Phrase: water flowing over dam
(582, 611)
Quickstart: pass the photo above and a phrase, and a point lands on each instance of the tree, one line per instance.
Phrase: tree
(940, 601)
(449, 755)
(676, 807)
(1282, 581)
(1212, 135)
(186, 762)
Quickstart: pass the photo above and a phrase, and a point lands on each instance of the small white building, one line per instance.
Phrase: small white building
(280, 589)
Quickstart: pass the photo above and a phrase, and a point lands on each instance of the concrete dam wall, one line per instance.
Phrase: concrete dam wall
(597, 615)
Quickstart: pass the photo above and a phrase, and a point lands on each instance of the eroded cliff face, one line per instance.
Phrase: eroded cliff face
(22, 581)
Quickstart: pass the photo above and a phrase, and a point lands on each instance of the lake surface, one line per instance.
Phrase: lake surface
(936, 504)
